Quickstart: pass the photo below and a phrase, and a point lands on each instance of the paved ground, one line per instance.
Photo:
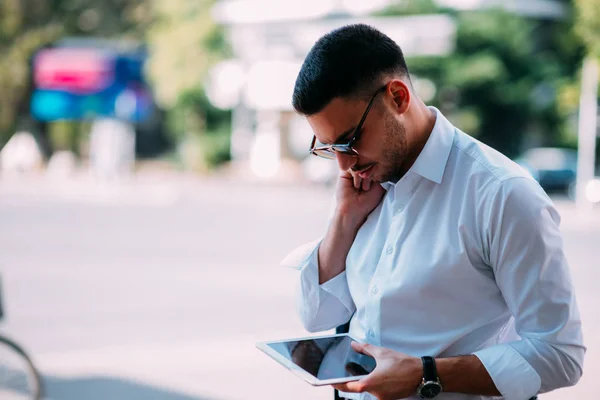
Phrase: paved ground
(159, 290)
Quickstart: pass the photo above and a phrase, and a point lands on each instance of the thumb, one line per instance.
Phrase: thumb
(366, 348)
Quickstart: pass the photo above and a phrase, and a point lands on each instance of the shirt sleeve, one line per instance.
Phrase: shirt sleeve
(526, 254)
(320, 307)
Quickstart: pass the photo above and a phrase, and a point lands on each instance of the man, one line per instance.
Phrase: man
(445, 256)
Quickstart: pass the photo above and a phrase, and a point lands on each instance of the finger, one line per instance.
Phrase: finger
(352, 387)
(358, 347)
(366, 184)
(366, 348)
(346, 175)
(341, 387)
(357, 181)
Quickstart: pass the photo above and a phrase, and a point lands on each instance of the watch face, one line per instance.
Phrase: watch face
(430, 390)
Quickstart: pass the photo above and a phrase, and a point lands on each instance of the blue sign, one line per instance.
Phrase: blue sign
(86, 82)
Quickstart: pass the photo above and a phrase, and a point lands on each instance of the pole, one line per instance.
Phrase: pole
(588, 122)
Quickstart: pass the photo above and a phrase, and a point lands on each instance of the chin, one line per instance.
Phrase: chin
(377, 179)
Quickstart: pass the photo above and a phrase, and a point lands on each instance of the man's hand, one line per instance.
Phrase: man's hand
(357, 197)
(397, 375)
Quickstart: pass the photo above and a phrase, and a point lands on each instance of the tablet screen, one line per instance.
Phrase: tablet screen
(326, 358)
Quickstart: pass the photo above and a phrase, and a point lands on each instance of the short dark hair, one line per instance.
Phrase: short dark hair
(346, 62)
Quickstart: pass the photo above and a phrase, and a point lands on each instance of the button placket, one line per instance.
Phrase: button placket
(404, 192)
(372, 311)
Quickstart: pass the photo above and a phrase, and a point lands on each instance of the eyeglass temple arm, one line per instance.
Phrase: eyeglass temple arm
(312, 144)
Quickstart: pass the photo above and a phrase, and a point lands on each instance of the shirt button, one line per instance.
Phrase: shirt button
(390, 249)
(371, 333)
(375, 290)
(400, 208)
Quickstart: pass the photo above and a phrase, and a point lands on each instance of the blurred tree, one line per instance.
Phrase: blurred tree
(500, 83)
(184, 43)
(413, 7)
(588, 24)
(588, 28)
(27, 25)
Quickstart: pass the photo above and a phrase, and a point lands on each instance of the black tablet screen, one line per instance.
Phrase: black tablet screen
(326, 358)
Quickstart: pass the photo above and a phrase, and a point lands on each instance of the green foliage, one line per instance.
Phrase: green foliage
(27, 25)
(504, 81)
(216, 145)
(408, 7)
(195, 120)
(182, 40)
(184, 43)
(65, 135)
(588, 24)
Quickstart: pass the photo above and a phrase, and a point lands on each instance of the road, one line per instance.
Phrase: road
(159, 289)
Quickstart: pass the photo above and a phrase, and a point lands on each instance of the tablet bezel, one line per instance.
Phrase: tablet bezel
(297, 370)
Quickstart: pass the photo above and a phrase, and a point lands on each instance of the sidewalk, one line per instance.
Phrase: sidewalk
(165, 187)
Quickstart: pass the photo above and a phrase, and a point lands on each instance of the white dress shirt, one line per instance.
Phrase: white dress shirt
(462, 256)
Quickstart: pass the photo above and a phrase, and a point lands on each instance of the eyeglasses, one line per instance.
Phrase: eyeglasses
(329, 151)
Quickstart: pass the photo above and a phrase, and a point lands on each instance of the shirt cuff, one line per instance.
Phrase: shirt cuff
(338, 287)
(514, 378)
(300, 256)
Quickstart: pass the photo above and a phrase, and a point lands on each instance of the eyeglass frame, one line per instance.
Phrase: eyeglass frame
(345, 148)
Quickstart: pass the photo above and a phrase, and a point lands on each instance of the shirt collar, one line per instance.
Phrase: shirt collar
(431, 162)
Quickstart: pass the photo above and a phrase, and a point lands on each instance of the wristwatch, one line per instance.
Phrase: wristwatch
(431, 386)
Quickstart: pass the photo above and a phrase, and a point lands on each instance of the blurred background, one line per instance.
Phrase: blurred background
(153, 173)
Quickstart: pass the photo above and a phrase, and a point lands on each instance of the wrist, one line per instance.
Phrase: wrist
(416, 373)
(465, 374)
(430, 386)
(347, 221)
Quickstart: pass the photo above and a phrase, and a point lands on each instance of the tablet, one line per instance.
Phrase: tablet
(320, 360)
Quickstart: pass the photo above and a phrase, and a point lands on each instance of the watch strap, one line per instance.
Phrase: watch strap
(429, 369)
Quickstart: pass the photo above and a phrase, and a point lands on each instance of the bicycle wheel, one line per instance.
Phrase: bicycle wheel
(19, 380)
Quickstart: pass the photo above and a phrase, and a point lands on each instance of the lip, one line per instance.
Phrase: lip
(366, 173)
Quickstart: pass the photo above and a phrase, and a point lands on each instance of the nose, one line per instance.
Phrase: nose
(345, 161)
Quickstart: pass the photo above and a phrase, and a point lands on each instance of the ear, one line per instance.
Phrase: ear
(401, 95)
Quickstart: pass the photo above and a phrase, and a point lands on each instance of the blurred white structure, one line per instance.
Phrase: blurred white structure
(62, 164)
(20, 155)
(271, 38)
(588, 129)
(592, 191)
(112, 149)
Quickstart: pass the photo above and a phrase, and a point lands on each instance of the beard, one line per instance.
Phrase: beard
(395, 151)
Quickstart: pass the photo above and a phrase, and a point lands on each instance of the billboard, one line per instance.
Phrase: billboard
(89, 81)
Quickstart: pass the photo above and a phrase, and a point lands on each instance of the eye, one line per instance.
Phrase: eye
(346, 139)
(355, 136)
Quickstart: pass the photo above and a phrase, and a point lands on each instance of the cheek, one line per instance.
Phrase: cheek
(370, 153)
(373, 145)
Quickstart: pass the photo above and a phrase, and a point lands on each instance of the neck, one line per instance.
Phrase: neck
(423, 120)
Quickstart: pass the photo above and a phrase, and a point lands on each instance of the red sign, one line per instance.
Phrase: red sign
(76, 70)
